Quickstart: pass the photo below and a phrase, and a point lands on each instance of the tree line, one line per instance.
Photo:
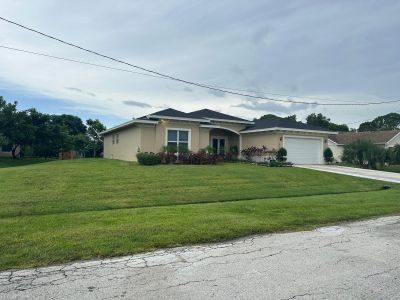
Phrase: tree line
(389, 121)
(46, 135)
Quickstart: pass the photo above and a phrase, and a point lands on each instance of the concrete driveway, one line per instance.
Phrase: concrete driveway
(351, 261)
(363, 173)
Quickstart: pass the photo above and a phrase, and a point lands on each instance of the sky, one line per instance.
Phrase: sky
(336, 50)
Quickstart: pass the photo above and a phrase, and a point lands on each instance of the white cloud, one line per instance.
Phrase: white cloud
(316, 48)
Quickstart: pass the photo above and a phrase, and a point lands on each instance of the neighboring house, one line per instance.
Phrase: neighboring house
(385, 139)
(202, 128)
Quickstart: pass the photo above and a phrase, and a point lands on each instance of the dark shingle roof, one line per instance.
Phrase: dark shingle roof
(198, 114)
(378, 137)
(211, 114)
(170, 112)
(282, 123)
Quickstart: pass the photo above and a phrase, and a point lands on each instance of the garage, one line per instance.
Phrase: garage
(303, 150)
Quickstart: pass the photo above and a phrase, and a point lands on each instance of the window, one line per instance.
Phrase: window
(178, 138)
(117, 138)
(113, 139)
(218, 144)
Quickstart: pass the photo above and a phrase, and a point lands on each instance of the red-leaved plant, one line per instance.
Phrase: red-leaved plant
(252, 152)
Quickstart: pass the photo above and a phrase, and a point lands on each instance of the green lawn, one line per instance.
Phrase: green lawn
(393, 168)
(58, 211)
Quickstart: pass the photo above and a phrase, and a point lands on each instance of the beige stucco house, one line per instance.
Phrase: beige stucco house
(202, 128)
(384, 139)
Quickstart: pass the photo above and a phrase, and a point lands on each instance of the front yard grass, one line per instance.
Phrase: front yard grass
(392, 168)
(60, 211)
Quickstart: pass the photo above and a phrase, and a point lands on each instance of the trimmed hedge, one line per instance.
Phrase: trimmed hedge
(148, 159)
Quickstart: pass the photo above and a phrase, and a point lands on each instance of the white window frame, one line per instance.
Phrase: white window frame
(220, 137)
(177, 136)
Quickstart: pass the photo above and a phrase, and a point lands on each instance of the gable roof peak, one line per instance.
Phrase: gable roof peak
(283, 123)
(212, 114)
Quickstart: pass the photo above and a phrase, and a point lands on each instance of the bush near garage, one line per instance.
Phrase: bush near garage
(328, 155)
(281, 155)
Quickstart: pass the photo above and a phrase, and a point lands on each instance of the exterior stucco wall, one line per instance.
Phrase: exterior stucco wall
(395, 141)
(128, 144)
(337, 150)
(148, 138)
(271, 140)
(204, 137)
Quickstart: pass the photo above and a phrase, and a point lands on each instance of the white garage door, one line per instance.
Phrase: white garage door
(303, 150)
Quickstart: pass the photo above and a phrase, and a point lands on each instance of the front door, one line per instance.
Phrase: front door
(218, 145)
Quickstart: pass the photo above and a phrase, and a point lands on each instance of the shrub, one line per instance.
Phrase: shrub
(234, 151)
(167, 157)
(328, 155)
(202, 158)
(169, 149)
(395, 155)
(148, 159)
(251, 152)
(208, 149)
(281, 155)
(363, 153)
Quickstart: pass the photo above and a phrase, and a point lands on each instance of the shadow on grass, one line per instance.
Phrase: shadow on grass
(392, 168)
(8, 162)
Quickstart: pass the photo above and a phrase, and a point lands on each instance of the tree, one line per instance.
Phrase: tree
(272, 116)
(322, 121)
(291, 117)
(318, 120)
(94, 128)
(3, 140)
(366, 126)
(339, 127)
(40, 134)
(72, 124)
(328, 155)
(389, 121)
(14, 126)
(362, 153)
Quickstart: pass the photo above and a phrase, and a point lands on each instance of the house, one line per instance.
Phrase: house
(199, 129)
(385, 139)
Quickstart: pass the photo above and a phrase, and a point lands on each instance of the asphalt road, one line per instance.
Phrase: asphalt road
(357, 172)
(356, 260)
